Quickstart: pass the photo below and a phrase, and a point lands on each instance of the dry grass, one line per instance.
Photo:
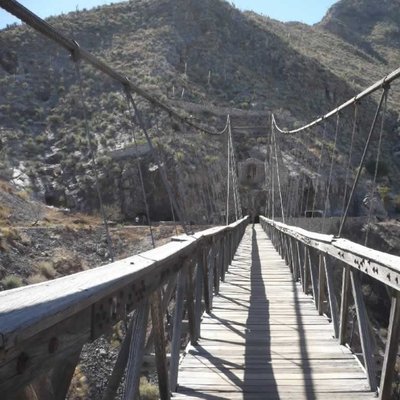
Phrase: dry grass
(8, 236)
(6, 187)
(46, 269)
(11, 282)
(148, 391)
(69, 220)
(5, 213)
(79, 388)
(36, 278)
(67, 263)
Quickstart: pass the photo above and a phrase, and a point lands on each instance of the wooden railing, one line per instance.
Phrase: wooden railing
(313, 259)
(43, 327)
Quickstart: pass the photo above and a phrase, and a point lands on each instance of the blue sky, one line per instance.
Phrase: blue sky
(308, 11)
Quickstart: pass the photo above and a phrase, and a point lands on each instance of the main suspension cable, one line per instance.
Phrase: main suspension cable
(37, 23)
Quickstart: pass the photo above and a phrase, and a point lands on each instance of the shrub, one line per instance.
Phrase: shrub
(11, 282)
(37, 278)
(148, 391)
(46, 269)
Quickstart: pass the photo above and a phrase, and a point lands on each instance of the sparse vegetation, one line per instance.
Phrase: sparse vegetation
(11, 282)
(148, 391)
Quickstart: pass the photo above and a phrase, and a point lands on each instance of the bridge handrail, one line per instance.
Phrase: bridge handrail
(380, 266)
(310, 255)
(26, 310)
(78, 308)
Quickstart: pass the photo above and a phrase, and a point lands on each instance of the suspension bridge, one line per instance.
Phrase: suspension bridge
(266, 304)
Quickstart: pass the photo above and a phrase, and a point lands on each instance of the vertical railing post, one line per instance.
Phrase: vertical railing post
(331, 296)
(312, 257)
(217, 267)
(136, 350)
(177, 329)
(363, 326)
(344, 305)
(157, 318)
(300, 262)
(206, 278)
(223, 257)
(305, 270)
(198, 296)
(392, 345)
(321, 284)
(190, 304)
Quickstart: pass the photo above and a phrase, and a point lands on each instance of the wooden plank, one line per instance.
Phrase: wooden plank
(28, 361)
(177, 329)
(344, 305)
(331, 296)
(265, 337)
(321, 284)
(136, 350)
(157, 319)
(29, 310)
(380, 266)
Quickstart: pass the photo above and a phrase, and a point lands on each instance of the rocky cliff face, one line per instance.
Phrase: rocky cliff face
(207, 58)
(365, 23)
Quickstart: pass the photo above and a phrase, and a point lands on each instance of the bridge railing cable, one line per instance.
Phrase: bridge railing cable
(382, 83)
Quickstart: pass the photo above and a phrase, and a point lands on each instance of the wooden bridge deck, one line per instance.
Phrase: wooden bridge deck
(265, 339)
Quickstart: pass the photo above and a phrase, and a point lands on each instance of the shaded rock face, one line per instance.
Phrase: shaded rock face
(251, 172)
(363, 22)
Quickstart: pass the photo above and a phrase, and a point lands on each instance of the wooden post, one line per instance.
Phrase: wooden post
(157, 318)
(344, 305)
(321, 284)
(206, 285)
(223, 258)
(198, 297)
(392, 345)
(211, 272)
(306, 270)
(363, 327)
(177, 330)
(226, 254)
(313, 274)
(119, 367)
(216, 263)
(164, 305)
(136, 350)
(300, 262)
(190, 305)
(332, 296)
(295, 259)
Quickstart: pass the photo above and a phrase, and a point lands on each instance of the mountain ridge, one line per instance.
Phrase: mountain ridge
(209, 54)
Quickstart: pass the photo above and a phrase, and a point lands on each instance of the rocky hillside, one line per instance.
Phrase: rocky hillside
(207, 58)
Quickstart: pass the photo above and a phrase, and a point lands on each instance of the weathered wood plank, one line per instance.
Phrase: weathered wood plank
(265, 338)
(157, 319)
